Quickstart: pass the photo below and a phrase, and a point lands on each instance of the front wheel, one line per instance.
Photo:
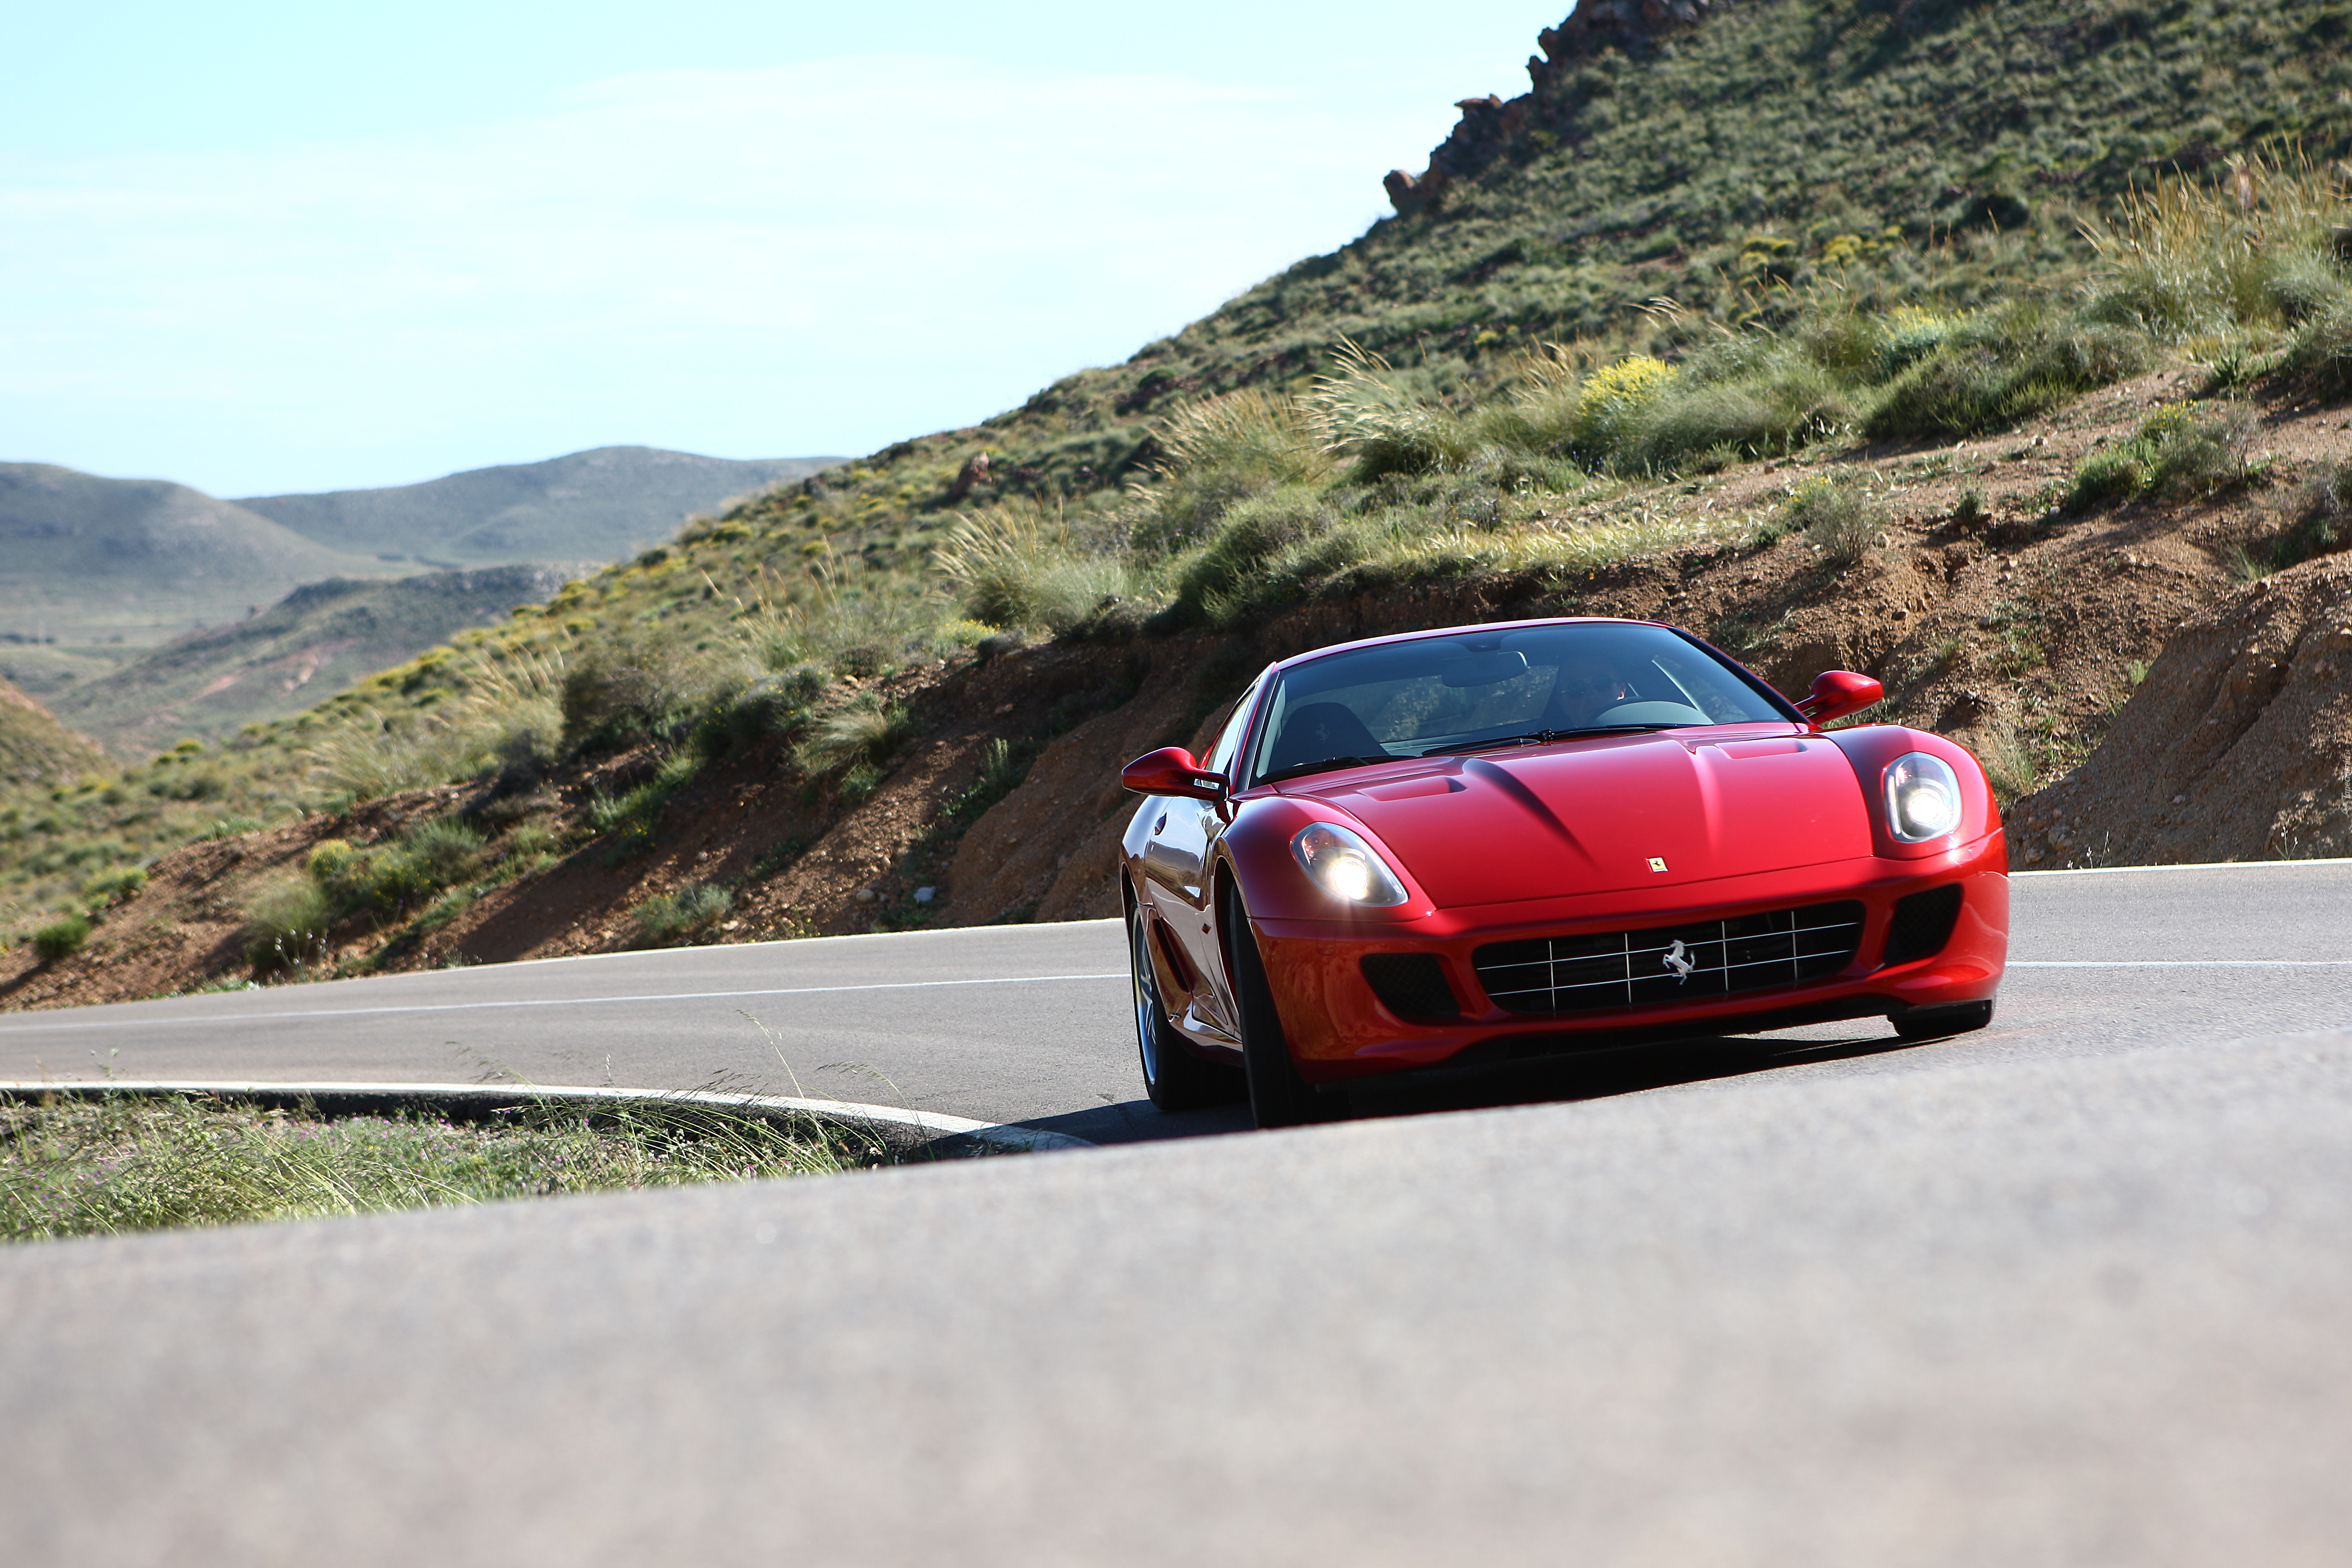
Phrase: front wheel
(1934, 1023)
(1278, 1096)
(1174, 1075)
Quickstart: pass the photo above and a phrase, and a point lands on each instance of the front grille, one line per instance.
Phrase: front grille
(1411, 985)
(1922, 923)
(1688, 963)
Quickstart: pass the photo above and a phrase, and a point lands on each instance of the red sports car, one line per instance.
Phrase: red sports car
(1486, 843)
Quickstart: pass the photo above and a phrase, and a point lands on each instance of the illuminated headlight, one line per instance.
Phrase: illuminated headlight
(1923, 798)
(1345, 867)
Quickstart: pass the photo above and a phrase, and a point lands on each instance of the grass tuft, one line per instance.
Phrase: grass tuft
(1018, 565)
(665, 917)
(865, 730)
(61, 937)
(1837, 515)
(2175, 451)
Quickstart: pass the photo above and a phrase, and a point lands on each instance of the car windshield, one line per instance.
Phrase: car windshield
(1488, 689)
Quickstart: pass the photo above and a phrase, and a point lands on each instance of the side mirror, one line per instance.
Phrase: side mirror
(1173, 770)
(1838, 692)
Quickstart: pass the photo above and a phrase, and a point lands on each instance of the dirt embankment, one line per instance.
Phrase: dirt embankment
(2019, 632)
(2238, 745)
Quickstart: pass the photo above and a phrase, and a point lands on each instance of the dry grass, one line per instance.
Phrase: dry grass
(130, 1164)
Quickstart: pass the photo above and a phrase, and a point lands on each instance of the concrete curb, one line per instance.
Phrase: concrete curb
(902, 1129)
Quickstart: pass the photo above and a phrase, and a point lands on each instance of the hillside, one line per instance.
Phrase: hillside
(86, 560)
(320, 638)
(36, 750)
(1981, 347)
(598, 505)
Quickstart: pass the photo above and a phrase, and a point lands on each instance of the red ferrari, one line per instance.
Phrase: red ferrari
(1492, 843)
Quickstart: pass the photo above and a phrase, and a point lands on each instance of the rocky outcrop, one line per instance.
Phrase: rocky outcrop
(2237, 746)
(1490, 125)
(1597, 23)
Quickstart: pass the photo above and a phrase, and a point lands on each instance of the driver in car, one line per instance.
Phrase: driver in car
(1587, 686)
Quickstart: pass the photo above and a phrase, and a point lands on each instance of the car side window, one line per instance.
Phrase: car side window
(1228, 745)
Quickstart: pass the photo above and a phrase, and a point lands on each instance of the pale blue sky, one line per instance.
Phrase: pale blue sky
(261, 247)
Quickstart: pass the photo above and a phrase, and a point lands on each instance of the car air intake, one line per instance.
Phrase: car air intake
(1691, 963)
(1922, 923)
(1412, 986)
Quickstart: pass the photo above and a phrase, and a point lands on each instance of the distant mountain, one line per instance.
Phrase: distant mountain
(86, 560)
(34, 748)
(315, 642)
(598, 505)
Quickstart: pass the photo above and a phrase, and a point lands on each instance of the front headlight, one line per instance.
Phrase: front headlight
(1923, 798)
(1345, 867)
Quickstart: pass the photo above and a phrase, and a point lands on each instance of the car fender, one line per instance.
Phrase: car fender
(1869, 748)
(1255, 853)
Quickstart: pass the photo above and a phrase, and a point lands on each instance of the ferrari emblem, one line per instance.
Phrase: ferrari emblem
(1657, 862)
(1679, 960)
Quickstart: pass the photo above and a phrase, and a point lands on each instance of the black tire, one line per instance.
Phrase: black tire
(1278, 1097)
(1935, 1023)
(1176, 1077)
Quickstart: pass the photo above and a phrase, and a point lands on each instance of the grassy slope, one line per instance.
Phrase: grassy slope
(586, 506)
(320, 638)
(1741, 167)
(142, 559)
(36, 750)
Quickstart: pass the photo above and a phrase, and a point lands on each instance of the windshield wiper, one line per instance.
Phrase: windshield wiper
(1326, 765)
(1546, 737)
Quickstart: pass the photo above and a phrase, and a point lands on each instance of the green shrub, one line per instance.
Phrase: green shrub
(1361, 410)
(2318, 358)
(665, 917)
(2002, 367)
(1016, 566)
(61, 936)
(286, 923)
(1214, 454)
(2175, 451)
(864, 730)
(1540, 420)
(1837, 514)
(1774, 409)
(1908, 335)
(2322, 527)
(113, 887)
(2247, 253)
(619, 695)
(630, 817)
(1252, 534)
(1614, 402)
(1002, 766)
(445, 907)
(443, 848)
(429, 856)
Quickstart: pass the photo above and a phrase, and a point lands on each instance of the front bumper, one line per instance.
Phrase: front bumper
(1338, 1028)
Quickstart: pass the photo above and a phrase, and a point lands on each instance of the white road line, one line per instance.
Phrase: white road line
(2181, 964)
(117, 1023)
(2186, 866)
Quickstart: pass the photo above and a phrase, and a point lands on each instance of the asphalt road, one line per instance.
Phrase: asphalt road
(1028, 1023)
(2070, 1291)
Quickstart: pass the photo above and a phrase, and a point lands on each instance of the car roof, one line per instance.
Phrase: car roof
(1316, 653)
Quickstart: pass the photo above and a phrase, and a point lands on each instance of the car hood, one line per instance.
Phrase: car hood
(1596, 815)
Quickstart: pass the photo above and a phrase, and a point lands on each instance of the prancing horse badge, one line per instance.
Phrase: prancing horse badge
(1657, 862)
